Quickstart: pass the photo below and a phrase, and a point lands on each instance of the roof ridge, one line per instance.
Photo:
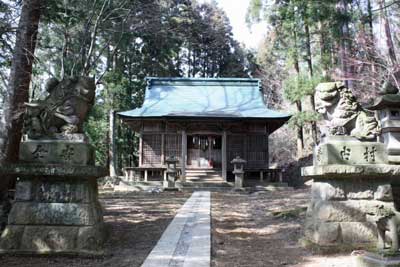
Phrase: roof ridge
(201, 79)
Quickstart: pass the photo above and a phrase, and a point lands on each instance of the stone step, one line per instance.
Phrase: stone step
(199, 180)
(202, 173)
(205, 179)
(202, 178)
(189, 184)
(211, 189)
(123, 186)
(202, 169)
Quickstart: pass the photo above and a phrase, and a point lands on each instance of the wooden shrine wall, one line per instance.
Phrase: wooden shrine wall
(151, 149)
(250, 143)
(252, 148)
(173, 146)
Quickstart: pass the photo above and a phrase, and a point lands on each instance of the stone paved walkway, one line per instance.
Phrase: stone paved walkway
(186, 242)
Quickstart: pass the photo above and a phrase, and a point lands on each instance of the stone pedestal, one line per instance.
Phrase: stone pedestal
(169, 184)
(368, 259)
(348, 201)
(56, 209)
(238, 171)
(171, 173)
(171, 179)
(238, 179)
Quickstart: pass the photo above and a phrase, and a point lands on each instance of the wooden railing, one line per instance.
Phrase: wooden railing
(271, 175)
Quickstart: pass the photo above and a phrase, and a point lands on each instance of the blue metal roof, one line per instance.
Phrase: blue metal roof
(204, 98)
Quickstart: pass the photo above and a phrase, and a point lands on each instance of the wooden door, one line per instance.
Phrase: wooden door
(204, 151)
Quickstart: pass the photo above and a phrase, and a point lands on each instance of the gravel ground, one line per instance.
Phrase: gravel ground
(136, 222)
(263, 229)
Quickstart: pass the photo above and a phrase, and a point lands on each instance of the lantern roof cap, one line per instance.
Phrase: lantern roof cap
(386, 101)
(238, 160)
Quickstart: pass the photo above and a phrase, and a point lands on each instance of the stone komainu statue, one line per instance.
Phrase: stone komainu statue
(342, 113)
(63, 110)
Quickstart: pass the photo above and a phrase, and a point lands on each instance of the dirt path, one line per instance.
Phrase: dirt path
(136, 222)
(263, 229)
(257, 230)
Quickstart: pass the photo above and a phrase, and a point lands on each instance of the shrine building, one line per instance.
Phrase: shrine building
(205, 123)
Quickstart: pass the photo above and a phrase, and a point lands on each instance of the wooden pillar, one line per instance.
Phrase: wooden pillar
(280, 175)
(184, 155)
(224, 157)
(162, 149)
(245, 144)
(267, 150)
(140, 149)
(209, 138)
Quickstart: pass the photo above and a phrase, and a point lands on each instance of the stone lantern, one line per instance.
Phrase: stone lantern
(238, 171)
(387, 108)
(172, 172)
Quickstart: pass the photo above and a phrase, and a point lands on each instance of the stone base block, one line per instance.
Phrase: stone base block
(368, 259)
(54, 215)
(323, 234)
(342, 151)
(33, 213)
(56, 190)
(344, 213)
(55, 152)
(29, 239)
(351, 234)
(394, 159)
(352, 188)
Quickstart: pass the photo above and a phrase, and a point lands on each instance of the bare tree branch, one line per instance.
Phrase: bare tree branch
(395, 2)
(93, 38)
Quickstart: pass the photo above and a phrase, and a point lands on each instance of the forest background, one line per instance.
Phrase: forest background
(120, 42)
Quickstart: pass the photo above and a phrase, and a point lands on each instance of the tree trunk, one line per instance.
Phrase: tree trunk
(299, 130)
(295, 55)
(308, 51)
(299, 134)
(389, 41)
(388, 33)
(18, 86)
(322, 48)
(311, 75)
(344, 46)
(371, 46)
(314, 127)
(112, 148)
(370, 21)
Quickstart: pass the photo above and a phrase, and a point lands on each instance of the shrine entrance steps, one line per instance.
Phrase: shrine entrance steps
(207, 179)
(187, 240)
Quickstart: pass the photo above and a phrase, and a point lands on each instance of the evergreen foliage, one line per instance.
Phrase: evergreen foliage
(313, 41)
(120, 42)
